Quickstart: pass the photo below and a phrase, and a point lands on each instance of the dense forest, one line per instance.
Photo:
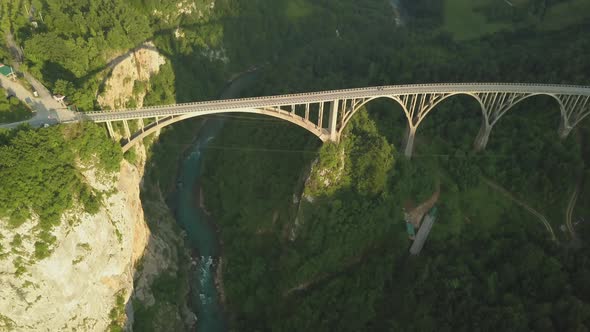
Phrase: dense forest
(340, 262)
(335, 259)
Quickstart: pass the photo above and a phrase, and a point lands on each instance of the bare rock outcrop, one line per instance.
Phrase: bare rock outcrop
(92, 264)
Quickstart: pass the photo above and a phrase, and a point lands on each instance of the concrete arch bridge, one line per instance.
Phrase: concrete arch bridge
(325, 114)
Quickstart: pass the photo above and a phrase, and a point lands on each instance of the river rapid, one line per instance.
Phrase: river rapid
(203, 240)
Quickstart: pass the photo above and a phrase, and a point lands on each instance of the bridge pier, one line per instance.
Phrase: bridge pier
(110, 129)
(333, 124)
(481, 141)
(409, 141)
(127, 131)
(564, 128)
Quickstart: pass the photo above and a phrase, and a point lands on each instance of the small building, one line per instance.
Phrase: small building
(7, 71)
(411, 231)
(59, 97)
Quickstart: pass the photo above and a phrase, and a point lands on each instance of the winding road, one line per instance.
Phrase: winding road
(569, 212)
(527, 207)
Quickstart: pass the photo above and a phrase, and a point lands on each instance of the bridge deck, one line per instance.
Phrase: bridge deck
(237, 105)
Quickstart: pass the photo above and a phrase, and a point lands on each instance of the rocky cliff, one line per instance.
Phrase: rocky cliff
(91, 265)
(123, 267)
(101, 266)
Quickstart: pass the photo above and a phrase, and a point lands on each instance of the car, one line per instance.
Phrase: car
(46, 125)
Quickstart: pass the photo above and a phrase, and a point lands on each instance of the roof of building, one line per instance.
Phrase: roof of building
(6, 70)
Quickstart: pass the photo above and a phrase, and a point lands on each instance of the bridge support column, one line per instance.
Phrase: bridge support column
(409, 141)
(481, 141)
(127, 131)
(333, 125)
(110, 129)
(564, 128)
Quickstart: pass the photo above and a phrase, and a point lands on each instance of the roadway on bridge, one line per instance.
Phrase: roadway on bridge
(328, 96)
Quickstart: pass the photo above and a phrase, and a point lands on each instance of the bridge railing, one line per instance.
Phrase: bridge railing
(330, 95)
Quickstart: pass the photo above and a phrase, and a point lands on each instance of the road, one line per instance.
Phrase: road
(527, 207)
(569, 212)
(369, 93)
(47, 109)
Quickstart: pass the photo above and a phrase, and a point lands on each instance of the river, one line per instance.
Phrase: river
(200, 229)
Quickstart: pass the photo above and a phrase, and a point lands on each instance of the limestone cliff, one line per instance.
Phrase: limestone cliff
(100, 267)
(91, 265)
(122, 267)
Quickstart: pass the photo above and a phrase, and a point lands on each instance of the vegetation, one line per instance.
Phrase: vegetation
(340, 262)
(337, 260)
(12, 109)
(33, 184)
(71, 42)
(470, 19)
(464, 21)
(117, 314)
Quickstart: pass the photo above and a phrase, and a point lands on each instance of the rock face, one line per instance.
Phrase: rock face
(127, 84)
(92, 263)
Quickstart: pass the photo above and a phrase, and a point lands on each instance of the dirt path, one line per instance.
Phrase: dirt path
(417, 214)
(569, 212)
(323, 277)
(527, 207)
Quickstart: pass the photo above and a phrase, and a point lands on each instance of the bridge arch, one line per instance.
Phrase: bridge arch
(414, 117)
(407, 112)
(417, 101)
(348, 116)
(320, 133)
(526, 97)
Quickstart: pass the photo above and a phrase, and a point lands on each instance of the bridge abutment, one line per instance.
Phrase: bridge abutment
(481, 141)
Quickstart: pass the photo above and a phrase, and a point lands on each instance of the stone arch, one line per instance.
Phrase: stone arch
(320, 133)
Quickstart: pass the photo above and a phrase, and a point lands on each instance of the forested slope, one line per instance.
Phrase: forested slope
(489, 264)
(338, 261)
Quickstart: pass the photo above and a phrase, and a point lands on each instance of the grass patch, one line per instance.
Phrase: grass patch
(466, 19)
(565, 14)
(462, 19)
(117, 314)
(297, 9)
